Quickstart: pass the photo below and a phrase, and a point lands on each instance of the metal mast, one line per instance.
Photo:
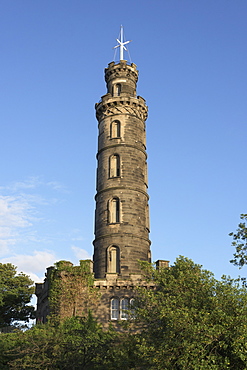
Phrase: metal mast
(121, 44)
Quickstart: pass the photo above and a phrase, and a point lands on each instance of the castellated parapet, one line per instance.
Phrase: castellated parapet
(124, 74)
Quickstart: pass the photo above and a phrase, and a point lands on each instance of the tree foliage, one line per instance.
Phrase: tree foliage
(240, 243)
(71, 290)
(192, 321)
(15, 293)
(76, 344)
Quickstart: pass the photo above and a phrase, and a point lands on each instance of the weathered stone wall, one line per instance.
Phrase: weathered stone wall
(124, 74)
(67, 291)
(71, 291)
(121, 216)
(130, 233)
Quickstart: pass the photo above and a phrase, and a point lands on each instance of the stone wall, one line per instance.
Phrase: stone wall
(72, 291)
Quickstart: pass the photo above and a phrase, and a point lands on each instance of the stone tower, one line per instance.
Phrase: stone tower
(122, 213)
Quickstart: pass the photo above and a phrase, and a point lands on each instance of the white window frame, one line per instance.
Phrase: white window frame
(119, 308)
(124, 306)
(114, 309)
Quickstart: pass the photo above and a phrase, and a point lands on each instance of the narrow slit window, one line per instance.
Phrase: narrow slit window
(114, 166)
(147, 217)
(146, 174)
(118, 89)
(113, 260)
(115, 129)
(114, 210)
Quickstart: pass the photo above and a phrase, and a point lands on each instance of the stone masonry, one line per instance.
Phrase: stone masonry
(127, 185)
(122, 210)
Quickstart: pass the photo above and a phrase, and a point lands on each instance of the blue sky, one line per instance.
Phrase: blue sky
(192, 61)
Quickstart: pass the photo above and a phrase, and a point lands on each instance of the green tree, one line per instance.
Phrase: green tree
(32, 349)
(240, 243)
(191, 321)
(75, 344)
(15, 293)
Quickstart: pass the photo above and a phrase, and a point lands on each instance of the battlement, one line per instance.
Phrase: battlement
(121, 68)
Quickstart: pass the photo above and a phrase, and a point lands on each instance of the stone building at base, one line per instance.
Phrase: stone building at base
(73, 291)
(107, 285)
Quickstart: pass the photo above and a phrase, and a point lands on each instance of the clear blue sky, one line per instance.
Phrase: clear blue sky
(192, 60)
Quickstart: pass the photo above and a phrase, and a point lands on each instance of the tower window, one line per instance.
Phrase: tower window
(114, 166)
(113, 260)
(115, 129)
(147, 217)
(114, 309)
(146, 175)
(114, 210)
(118, 89)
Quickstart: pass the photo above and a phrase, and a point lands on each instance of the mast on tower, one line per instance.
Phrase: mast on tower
(121, 44)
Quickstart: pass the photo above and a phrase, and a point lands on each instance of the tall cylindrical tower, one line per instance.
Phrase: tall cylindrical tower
(122, 214)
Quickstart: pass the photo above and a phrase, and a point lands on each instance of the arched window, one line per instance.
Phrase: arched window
(113, 260)
(114, 166)
(114, 309)
(114, 210)
(118, 89)
(124, 306)
(115, 129)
